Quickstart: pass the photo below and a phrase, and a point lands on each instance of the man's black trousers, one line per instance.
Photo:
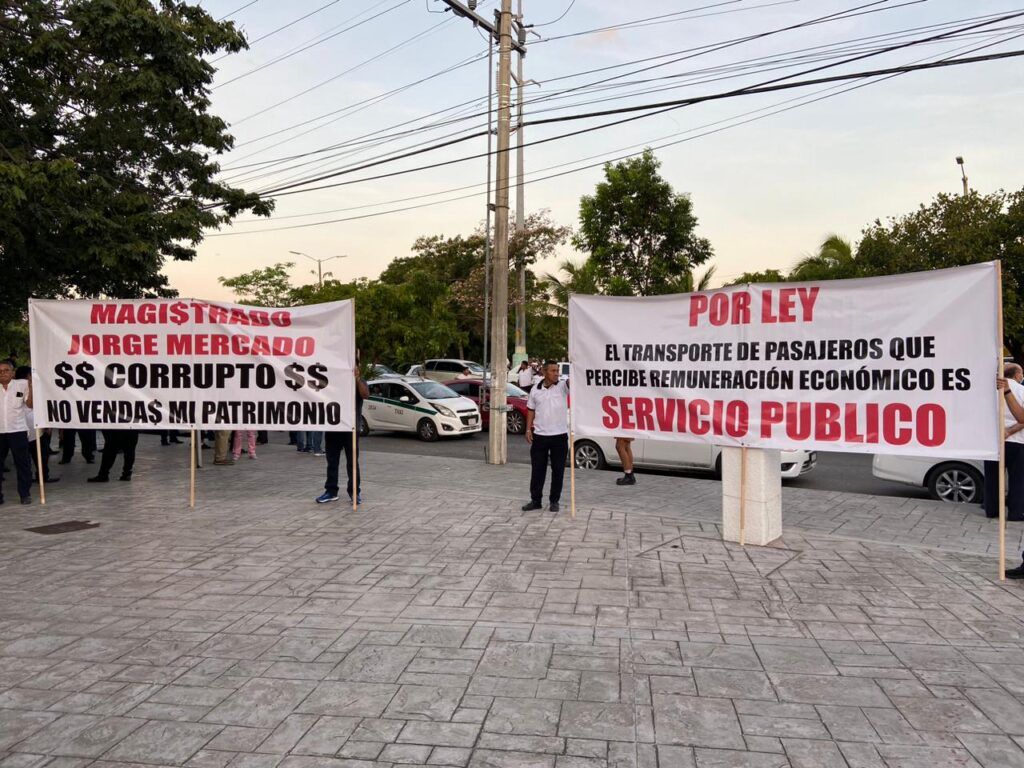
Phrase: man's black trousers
(334, 444)
(17, 444)
(116, 441)
(547, 449)
(1014, 483)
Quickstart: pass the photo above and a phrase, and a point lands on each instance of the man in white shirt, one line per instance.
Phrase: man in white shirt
(547, 432)
(524, 376)
(15, 401)
(1014, 446)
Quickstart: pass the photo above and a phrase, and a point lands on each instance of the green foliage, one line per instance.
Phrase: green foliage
(267, 287)
(835, 260)
(766, 276)
(954, 230)
(640, 234)
(105, 145)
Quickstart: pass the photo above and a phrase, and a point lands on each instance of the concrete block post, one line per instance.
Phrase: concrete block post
(763, 494)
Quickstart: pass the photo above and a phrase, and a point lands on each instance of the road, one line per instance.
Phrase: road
(847, 472)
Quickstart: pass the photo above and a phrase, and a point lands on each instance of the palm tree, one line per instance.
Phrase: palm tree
(835, 260)
(685, 282)
(574, 277)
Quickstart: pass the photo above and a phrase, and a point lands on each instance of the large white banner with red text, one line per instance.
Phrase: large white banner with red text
(183, 363)
(899, 365)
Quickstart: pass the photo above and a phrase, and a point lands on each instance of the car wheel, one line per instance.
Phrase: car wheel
(427, 430)
(516, 423)
(588, 455)
(364, 427)
(956, 483)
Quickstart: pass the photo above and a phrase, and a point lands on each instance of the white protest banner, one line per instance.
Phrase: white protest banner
(900, 365)
(184, 363)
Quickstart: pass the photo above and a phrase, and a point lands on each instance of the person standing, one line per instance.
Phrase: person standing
(88, 439)
(15, 402)
(624, 447)
(315, 443)
(524, 376)
(117, 441)
(336, 442)
(1013, 434)
(24, 373)
(250, 438)
(547, 432)
(222, 447)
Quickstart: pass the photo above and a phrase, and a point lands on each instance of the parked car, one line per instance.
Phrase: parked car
(415, 370)
(429, 409)
(448, 369)
(599, 452)
(953, 480)
(563, 371)
(475, 390)
(383, 372)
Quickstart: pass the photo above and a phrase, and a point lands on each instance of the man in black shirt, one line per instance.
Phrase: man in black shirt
(335, 443)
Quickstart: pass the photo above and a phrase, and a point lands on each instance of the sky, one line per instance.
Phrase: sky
(766, 188)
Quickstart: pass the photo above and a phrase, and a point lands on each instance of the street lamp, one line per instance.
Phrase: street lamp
(960, 162)
(319, 264)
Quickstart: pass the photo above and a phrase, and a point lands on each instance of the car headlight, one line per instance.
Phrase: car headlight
(444, 410)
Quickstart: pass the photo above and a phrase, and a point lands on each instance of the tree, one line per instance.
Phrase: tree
(686, 283)
(954, 230)
(766, 276)
(581, 277)
(267, 287)
(106, 145)
(636, 228)
(835, 260)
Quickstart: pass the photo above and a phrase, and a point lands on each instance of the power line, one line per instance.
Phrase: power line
(728, 71)
(555, 21)
(280, 29)
(237, 10)
(279, 59)
(649, 110)
(360, 65)
(695, 51)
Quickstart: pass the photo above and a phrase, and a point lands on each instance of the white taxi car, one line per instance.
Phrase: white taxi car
(599, 452)
(429, 409)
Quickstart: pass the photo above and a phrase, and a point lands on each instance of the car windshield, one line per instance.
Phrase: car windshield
(475, 368)
(383, 370)
(514, 391)
(430, 390)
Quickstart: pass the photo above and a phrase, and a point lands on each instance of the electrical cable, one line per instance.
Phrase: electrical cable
(313, 45)
(283, 27)
(237, 10)
(658, 108)
(564, 14)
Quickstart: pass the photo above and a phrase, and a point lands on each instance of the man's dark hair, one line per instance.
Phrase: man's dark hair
(549, 362)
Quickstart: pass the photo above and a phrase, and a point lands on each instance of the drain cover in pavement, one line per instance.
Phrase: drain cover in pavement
(68, 527)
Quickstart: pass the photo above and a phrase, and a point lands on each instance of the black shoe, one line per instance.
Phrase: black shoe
(1014, 519)
(64, 461)
(90, 460)
(47, 480)
(532, 506)
(553, 507)
(26, 500)
(176, 441)
(627, 479)
(98, 479)
(1015, 573)
(164, 442)
(126, 477)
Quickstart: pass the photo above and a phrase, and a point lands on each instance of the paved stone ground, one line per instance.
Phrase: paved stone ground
(441, 626)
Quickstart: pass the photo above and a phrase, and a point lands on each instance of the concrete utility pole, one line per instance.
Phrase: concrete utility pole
(497, 436)
(520, 352)
(319, 265)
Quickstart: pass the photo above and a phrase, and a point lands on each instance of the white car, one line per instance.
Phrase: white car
(450, 369)
(954, 480)
(429, 409)
(599, 452)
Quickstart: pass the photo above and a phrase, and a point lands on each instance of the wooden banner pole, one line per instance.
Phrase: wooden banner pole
(192, 470)
(743, 496)
(39, 467)
(355, 469)
(1002, 428)
(572, 473)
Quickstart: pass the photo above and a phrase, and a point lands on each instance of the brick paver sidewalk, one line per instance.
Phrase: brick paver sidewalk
(441, 626)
